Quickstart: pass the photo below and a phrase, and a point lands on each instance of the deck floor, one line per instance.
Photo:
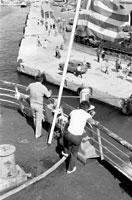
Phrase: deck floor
(92, 180)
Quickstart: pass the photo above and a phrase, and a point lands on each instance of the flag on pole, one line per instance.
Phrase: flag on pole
(103, 18)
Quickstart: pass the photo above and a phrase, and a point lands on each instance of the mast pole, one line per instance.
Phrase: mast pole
(64, 71)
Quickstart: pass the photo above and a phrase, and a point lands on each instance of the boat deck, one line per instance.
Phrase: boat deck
(35, 156)
(92, 180)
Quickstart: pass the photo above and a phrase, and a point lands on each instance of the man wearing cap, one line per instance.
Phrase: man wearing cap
(73, 134)
(37, 91)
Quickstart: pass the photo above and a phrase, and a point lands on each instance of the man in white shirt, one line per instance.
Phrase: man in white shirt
(37, 91)
(74, 132)
(45, 44)
(79, 71)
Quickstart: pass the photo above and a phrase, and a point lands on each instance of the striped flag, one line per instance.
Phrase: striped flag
(103, 18)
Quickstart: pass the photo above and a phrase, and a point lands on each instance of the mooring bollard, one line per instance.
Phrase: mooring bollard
(7, 161)
(84, 94)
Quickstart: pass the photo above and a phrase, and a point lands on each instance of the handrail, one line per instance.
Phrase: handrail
(115, 147)
(100, 145)
(7, 95)
(7, 89)
(116, 137)
(111, 153)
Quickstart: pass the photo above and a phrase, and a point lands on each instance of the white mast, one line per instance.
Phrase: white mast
(65, 70)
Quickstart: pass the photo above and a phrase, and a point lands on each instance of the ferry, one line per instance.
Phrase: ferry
(98, 143)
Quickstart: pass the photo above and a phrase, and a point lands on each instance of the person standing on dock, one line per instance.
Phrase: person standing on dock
(105, 66)
(38, 41)
(98, 54)
(118, 64)
(37, 91)
(73, 133)
(54, 30)
(45, 44)
(57, 52)
(103, 54)
(46, 25)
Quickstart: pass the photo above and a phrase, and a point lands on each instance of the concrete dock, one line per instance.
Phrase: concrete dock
(33, 58)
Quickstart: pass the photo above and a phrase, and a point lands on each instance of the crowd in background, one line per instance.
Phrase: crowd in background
(122, 70)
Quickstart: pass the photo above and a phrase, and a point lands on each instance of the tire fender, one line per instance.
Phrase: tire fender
(125, 109)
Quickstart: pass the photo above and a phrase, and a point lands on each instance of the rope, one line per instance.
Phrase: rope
(34, 180)
(77, 97)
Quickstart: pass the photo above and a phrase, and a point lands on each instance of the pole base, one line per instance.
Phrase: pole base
(86, 151)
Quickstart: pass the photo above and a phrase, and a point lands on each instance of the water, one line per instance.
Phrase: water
(12, 21)
(11, 25)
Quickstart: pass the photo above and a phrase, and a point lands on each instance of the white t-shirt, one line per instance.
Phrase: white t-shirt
(79, 68)
(78, 120)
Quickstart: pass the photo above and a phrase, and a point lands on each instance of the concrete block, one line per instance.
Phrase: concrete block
(7, 184)
(86, 151)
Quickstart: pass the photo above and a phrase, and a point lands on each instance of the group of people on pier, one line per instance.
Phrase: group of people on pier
(51, 30)
(122, 70)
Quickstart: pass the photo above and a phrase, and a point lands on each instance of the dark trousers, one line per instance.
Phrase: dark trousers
(57, 54)
(117, 68)
(71, 146)
(98, 58)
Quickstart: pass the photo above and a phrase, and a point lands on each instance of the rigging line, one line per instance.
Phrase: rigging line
(77, 97)
(65, 96)
(119, 98)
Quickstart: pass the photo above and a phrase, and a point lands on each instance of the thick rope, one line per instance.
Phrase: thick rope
(34, 180)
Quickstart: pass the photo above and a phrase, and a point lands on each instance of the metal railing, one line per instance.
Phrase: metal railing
(112, 149)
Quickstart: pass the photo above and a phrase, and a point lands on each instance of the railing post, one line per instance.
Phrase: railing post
(100, 144)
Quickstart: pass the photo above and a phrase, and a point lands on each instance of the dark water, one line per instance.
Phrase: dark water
(12, 21)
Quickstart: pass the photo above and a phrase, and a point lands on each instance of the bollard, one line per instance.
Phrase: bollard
(7, 161)
(85, 94)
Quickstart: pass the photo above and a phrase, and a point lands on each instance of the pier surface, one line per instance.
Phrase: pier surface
(34, 58)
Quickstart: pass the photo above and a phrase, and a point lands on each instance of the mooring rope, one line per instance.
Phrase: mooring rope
(34, 180)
